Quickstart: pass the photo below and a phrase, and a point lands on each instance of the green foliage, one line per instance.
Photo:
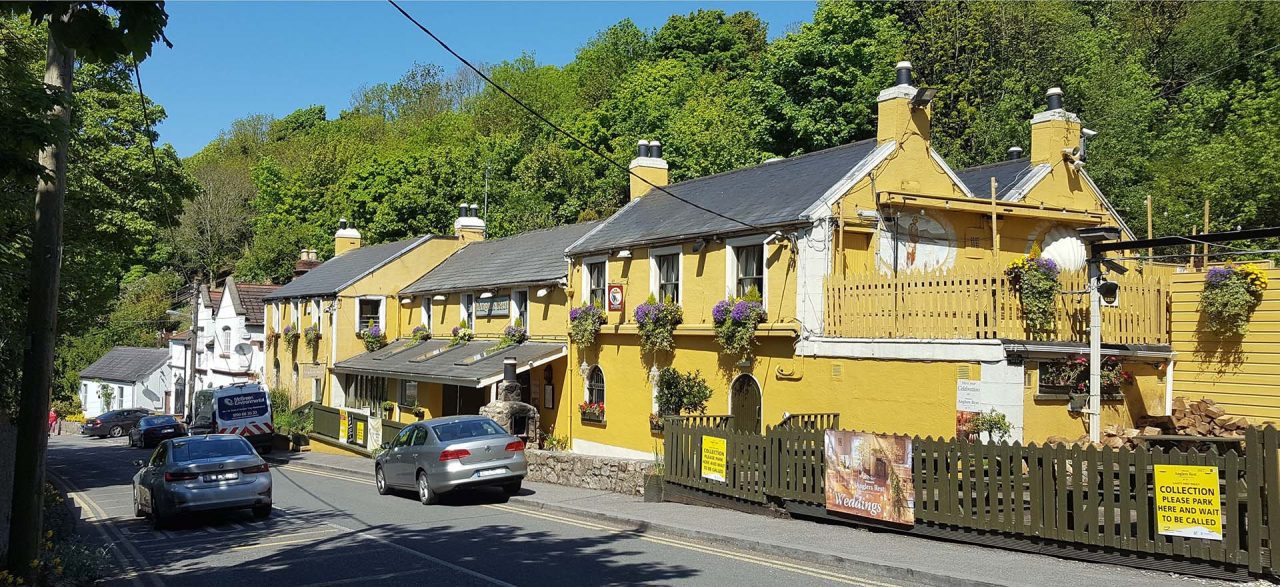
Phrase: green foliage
(682, 393)
(1035, 280)
(67, 407)
(1230, 296)
(555, 443)
(311, 335)
(298, 122)
(656, 323)
(584, 324)
(735, 324)
(993, 423)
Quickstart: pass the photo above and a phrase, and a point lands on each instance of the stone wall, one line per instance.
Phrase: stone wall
(578, 470)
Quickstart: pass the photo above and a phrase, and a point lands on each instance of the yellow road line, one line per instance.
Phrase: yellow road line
(111, 534)
(312, 471)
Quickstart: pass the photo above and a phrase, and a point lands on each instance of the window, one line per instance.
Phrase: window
(465, 429)
(597, 277)
(750, 269)
(419, 436)
(317, 392)
(297, 314)
(402, 439)
(520, 307)
(366, 391)
(668, 271)
(408, 393)
(158, 457)
(595, 386)
(467, 308)
(426, 312)
(369, 314)
(226, 339)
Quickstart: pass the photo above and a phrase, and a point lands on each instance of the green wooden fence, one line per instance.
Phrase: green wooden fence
(391, 429)
(325, 422)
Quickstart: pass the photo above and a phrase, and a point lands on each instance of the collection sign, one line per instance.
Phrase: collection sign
(1187, 501)
(714, 451)
(614, 298)
(869, 475)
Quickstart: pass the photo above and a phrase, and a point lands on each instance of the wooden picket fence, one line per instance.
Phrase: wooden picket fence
(1080, 497)
(979, 304)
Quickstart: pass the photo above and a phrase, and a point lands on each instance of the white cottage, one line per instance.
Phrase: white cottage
(126, 377)
(230, 342)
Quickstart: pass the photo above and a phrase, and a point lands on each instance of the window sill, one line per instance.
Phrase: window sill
(593, 420)
(1064, 398)
(766, 329)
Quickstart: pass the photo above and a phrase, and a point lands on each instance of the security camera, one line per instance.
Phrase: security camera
(1088, 133)
(1114, 267)
(1110, 293)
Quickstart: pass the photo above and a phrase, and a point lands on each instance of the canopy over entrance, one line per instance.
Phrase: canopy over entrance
(472, 364)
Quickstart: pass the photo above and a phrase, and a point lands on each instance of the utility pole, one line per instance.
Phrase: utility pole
(25, 531)
(190, 389)
(1150, 252)
(1205, 262)
(1095, 350)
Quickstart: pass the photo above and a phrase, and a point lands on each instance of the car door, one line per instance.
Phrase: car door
(393, 466)
(415, 451)
(152, 476)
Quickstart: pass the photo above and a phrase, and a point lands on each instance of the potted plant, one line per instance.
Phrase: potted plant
(584, 324)
(419, 413)
(312, 337)
(1035, 280)
(735, 322)
(273, 338)
(655, 422)
(373, 337)
(1230, 296)
(420, 333)
(656, 322)
(512, 335)
(462, 334)
(679, 393)
(291, 336)
(389, 408)
(592, 412)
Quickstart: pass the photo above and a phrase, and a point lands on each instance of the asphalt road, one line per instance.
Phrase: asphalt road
(330, 529)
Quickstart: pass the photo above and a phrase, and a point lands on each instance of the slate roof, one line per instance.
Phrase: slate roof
(1007, 174)
(433, 361)
(770, 194)
(337, 273)
(126, 364)
(247, 298)
(528, 258)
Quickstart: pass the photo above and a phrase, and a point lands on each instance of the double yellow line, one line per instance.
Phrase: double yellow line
(733, 555)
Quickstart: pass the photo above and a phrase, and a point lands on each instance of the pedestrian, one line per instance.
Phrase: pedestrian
(53, 419)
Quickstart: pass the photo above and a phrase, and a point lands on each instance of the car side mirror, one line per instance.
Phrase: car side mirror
(386, 445)
(139, 464)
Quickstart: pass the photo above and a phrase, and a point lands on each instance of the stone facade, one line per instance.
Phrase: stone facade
(508, 409)
(577, 470)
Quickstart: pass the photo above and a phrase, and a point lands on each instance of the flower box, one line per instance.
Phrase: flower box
(592, 418)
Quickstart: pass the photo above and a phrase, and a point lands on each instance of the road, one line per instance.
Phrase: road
(332, 529)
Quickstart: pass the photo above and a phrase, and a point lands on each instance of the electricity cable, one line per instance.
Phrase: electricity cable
(556, 127)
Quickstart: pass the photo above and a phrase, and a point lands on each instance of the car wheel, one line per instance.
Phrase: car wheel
(137, 507)
(116, 431)
(262, 512)
(425, 494)
(511, 488)
(380, 480)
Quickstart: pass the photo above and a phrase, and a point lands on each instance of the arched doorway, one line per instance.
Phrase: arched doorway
(744, 404)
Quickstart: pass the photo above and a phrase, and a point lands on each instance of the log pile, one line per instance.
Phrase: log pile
(1205, 417)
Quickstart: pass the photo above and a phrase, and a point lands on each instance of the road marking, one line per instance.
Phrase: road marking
(312, 471)
(254, 545)
(422, 555)
(112, 535)
(372, 578)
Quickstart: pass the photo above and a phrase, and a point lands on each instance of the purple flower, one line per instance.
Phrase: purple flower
(456, 330)
(1218, 275)
(648, 312)
(574, 313)
(720, 312)
(744, 311)
(1047, 265)
(375, 332)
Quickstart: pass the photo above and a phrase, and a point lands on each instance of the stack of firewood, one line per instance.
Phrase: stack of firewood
(1206, 418)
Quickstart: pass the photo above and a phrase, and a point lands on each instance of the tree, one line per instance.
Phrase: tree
(299, 121)
(215, 224)
(711, 41)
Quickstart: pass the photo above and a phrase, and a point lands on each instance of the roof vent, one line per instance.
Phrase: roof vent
(1055, 98)
(1015, 153)
(904, 73)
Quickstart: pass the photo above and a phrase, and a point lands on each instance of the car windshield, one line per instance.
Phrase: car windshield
(158, 421)
(194, 450)
(467, 429)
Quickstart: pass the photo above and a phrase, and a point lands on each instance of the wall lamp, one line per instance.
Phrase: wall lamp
(438, 297)
(624, 254)
(541, 293)
(486, 295)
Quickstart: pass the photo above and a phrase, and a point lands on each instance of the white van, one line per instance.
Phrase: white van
(241, 408)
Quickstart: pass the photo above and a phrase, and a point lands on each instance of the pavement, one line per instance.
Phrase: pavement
(882, 556)
(330, 527)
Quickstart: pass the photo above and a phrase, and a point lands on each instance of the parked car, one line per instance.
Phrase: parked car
(153, 429)
(115, 423)
(446, 454)
(239, 408)
(201, 473)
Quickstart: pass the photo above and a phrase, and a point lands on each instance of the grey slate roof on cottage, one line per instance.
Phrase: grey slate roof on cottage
(339, 272)
(126, 364)
(528, 258)
(766, 195)
(1006, 173)
(433, 360)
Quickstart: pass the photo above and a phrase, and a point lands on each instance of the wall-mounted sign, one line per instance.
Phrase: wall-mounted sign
(496, 306)
(870, 475)
(714, 450)
(968, 395)
(311, 371)
(615, 298)
(1187, 501)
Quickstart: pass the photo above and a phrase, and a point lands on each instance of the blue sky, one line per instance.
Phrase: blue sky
(234, 59)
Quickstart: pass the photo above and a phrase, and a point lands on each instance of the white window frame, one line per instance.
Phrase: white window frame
(224, 336)
(731, 265)
(513, 312)
(586, 279)
(276, 308)
(405, 384)
(467, 307)
(316, 312)
(297, 314)
(382, 312)
(655, 277)
(426, 312)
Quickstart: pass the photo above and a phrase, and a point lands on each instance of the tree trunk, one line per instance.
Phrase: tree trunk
(25, 531)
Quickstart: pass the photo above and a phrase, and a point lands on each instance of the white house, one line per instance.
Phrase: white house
(230, 339)
(126, 377)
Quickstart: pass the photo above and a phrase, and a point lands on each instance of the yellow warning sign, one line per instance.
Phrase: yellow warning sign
(1187, 501)
(360, 432)
(713, 457)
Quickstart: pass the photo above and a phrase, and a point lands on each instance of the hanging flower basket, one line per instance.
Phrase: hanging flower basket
(584, 324)
(373, 338)
(736, 320)
(591, 411)
(291, 336)
(1230, 296)
(462, 335)
(512, 335)
(1071, 375)
(273, 338)
(312, 337)
(420, 333)
(657, 323)
(1035, 280)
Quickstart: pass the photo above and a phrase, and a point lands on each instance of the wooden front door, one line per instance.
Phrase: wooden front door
(744, 404)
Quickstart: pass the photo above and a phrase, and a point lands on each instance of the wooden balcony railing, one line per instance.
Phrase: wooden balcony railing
(977, 304)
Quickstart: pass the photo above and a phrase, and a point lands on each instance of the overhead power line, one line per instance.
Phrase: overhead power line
(557, 127)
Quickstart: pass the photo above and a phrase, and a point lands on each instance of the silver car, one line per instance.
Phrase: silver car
(200, 473)
(445, 454)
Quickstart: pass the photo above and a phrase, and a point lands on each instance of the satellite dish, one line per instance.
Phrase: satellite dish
(244, 349)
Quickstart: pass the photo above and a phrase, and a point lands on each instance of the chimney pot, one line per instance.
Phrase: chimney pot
(475, 210)
(342, 223)
(1015, 153)
(509, 369)
(1055, 98)
(904, 73)
(462, 210)
(655, 149)
(642, 148)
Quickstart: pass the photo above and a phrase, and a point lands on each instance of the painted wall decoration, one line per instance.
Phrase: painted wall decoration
(870, 475)
(1062, 244)
(923, 243)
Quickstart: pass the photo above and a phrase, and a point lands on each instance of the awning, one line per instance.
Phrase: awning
(473, 364)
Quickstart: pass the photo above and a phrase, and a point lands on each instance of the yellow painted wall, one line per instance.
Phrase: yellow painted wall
(1048, 416)
(1242, 374)
(548, 315)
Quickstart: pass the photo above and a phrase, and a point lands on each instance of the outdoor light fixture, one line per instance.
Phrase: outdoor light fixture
(868, 214)
(923, 97)
(699, 244)
(438, 297)
(542, 292)
(1110, 292)
(406, 301)
(486, 295)
(624, 254)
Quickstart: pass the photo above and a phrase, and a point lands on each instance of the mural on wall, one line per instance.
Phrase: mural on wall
(923, 243)
(1061, 244)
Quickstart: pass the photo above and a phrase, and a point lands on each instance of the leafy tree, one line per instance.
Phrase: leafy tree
(710, 40)
(607, 57)
(271, 256)
(297, 122)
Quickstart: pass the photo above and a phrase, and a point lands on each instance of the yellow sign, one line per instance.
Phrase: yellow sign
(360, 432)
(713, 457)
(1187, 502)
(342, 423)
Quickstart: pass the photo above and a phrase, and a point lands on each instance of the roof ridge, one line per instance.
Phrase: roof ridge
(777, 161)
(986, 165)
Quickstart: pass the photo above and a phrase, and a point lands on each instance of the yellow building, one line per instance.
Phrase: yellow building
(881, 275)
(487, 302)
(357, 290)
